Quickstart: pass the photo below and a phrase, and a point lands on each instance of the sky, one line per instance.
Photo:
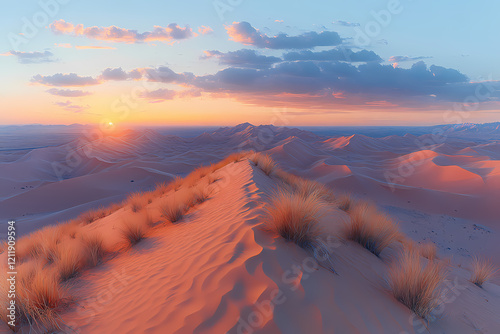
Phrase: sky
(224, 62)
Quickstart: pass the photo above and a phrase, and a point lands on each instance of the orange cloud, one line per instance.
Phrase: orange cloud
(62, 45)
(121, 35)
(205, 30)
(86, 47)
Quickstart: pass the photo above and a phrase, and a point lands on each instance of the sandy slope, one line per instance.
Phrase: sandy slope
(219, 272)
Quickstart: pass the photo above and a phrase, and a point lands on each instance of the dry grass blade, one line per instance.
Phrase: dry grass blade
(414, 284)
(95, 248)
(70, 260)
(482, 270)
(133, 231)
(173, 210)
(294, 218)
(370, 228)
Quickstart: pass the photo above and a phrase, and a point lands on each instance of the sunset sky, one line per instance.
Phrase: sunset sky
(225, 62)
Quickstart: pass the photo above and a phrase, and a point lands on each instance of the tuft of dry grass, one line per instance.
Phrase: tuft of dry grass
(70, 228)
(370, 228)
(236, 157)
(91, 216)
(113, 208)
(38, 298)
(213, 178)
(308, 188)
(265, 163)
(344, 202)
(173, 209)
(137, 201)
(482, 270)
(71, 258)
(95, 250)
(134, 231)
(294, 218)
(198, 196)
(415, 284)
(160, 189)
(176, 184)
(428, 250)
(29, 246)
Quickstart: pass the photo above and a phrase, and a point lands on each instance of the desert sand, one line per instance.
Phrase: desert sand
(219, 270)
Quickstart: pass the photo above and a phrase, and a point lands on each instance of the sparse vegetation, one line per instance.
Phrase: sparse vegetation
(91, 216)
(265, 163)
(344, 202)
(176, 184)
(133, 231)
(160, 189)
(415, 284)
(38, 298)
(294, 218)
(198, 196)
(70, 260)
(137, 201)
(95, 248)
(370, 228)
(428, 250)
(482, 271)
(173, 210)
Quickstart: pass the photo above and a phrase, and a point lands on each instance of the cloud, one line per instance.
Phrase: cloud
(166, 75)
(346, 24)
(399, 59)
(305, 83)
(62, 80)
(159, 95)
(117, 74)
(69, 106)
(205, 30)
(67, 92)
(244, 33)
(85, 47)
(242, 58)
(341, 54)
(121, 35)
(63, 45)
(34, 57)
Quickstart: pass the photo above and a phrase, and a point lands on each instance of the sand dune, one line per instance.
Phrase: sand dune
(219, 271)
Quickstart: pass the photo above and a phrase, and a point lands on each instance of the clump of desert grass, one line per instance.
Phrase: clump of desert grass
(371, 228)
(198, 196)
(236, 157)
(161, 189)
(173, 209)
(482, 270)
(344, 202)
(91, 216)
(264, 162)
(428, 250)
(71, 259)
(176, 184)
(295, 219)
(95, 248)
(133, 231)
(42, 243)
(137, 201)
(414, 283)
(39, 297)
